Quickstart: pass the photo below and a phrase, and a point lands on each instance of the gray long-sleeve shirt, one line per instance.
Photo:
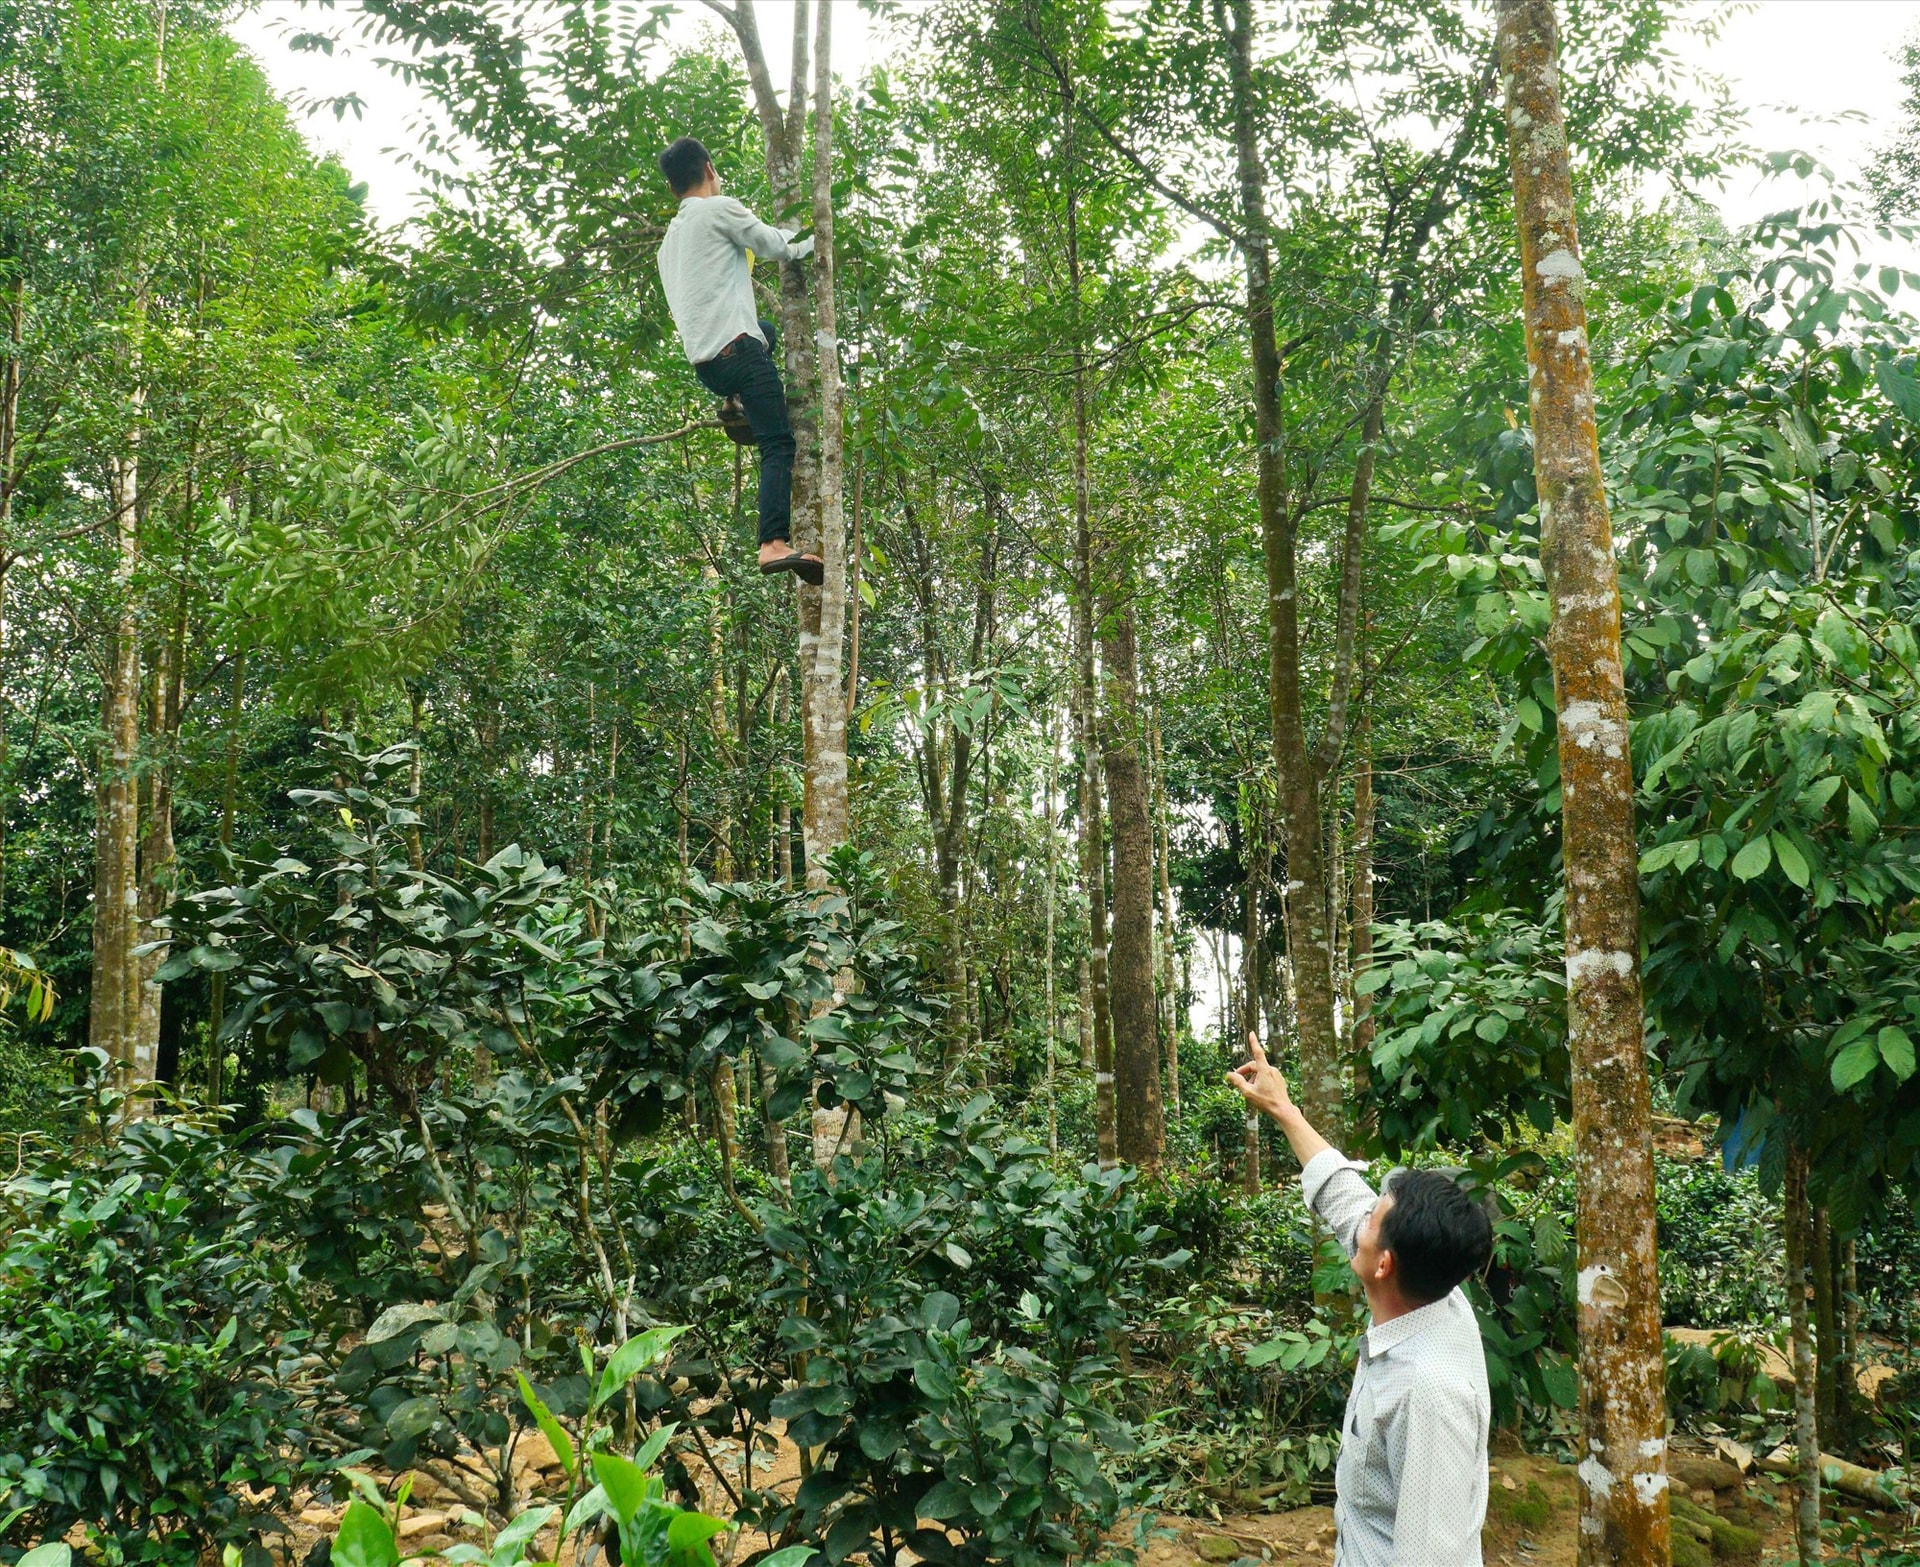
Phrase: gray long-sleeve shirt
(705, 271)
(1411, 1487)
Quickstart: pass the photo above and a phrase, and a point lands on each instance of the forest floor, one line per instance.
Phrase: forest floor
(1532, 1514)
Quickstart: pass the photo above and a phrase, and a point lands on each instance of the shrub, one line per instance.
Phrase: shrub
(139, 1376)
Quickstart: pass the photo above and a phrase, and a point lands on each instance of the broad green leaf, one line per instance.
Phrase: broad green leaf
(1855, 1062)
(395, 1320)
(55, 1553)
(1792, 861)
(631, 1358)
(1903, 391)
(946, 1500)
(550, 1428)
(1896, 1049)
(624, 1483)
(364, 1540)
(1754, 858)
(693, 1529)
(509, 1542)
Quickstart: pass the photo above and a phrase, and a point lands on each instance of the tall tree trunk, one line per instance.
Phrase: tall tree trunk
(1826, 1330)
(776, 1131)
(489, 753)
(1623, 1495)
(9, 479)
(1250, 895)
(823, 698)
(1170, 1016)
(1140, 1128)
(114, 1013)
(1047, 826)
(1093, 873)
(1309, 942)
(812, 367)
(719, 727)
(229, 793)
(1362, 923)
(416, 777)
(157, 846)
(1806, 1390)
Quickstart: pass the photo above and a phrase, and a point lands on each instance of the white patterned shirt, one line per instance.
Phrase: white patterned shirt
(1411, 1487)
(707, 276)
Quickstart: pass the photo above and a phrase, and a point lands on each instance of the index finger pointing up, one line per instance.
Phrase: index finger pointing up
(1253, 1046)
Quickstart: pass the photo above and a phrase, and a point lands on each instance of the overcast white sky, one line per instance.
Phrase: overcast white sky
(1815, 74)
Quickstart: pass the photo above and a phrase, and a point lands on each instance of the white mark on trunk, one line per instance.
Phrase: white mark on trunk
(1591, 729)
(1572, 336)
(1653, 1447)
(1103, 1078)
(1648, 1487)
(1560, 266)
(1596, 1476)
(1598, 1286)
(1587, 965)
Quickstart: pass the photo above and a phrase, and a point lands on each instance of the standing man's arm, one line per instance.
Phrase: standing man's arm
(1332, 1184)
(1445, 1444)
(749, 233)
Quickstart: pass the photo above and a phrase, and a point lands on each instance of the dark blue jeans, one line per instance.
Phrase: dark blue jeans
(746, 369)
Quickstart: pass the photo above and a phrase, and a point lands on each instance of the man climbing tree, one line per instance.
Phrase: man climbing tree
(1624, 1520)
(706, 269)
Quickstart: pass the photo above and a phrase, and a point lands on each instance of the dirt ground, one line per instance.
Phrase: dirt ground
(1532, 1514)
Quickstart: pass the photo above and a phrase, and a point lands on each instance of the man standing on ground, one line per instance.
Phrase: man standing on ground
(706, 269)
(1411, 1488)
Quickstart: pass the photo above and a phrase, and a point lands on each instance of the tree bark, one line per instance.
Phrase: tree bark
(1806, 1390)
(1309, 943)
(229, 792)
(1250, 895)
(1169, 991)
(1362, 924)
(114, 1012)
(1826, 1332)
(157, 856)
(1624, 1503)
(1093, 873)
(812, 368)
(1047, 826)
(823, 611)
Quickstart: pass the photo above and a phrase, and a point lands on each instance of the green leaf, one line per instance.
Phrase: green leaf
(1792, 861)
(511, 1541)
(1903, 391)
(1862, 824)
(364, 1540)
(550, 1428)
(395, 1320)
(1754, 858)
(1896, 1049)
(654, 1446)
(55, 1553)
(791, 1556)
(691, 1530)
(946, 1500)
(1558, 1377)
(1855, 1062)
(624, 1483)
(631, 1358)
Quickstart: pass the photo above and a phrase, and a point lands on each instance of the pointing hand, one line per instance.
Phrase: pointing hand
(1260, 1082)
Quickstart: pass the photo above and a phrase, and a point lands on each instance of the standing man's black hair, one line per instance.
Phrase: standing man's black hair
(1437, 1233)
(684, 164)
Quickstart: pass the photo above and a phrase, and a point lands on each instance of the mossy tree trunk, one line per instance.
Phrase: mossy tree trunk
(1624, 1517)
